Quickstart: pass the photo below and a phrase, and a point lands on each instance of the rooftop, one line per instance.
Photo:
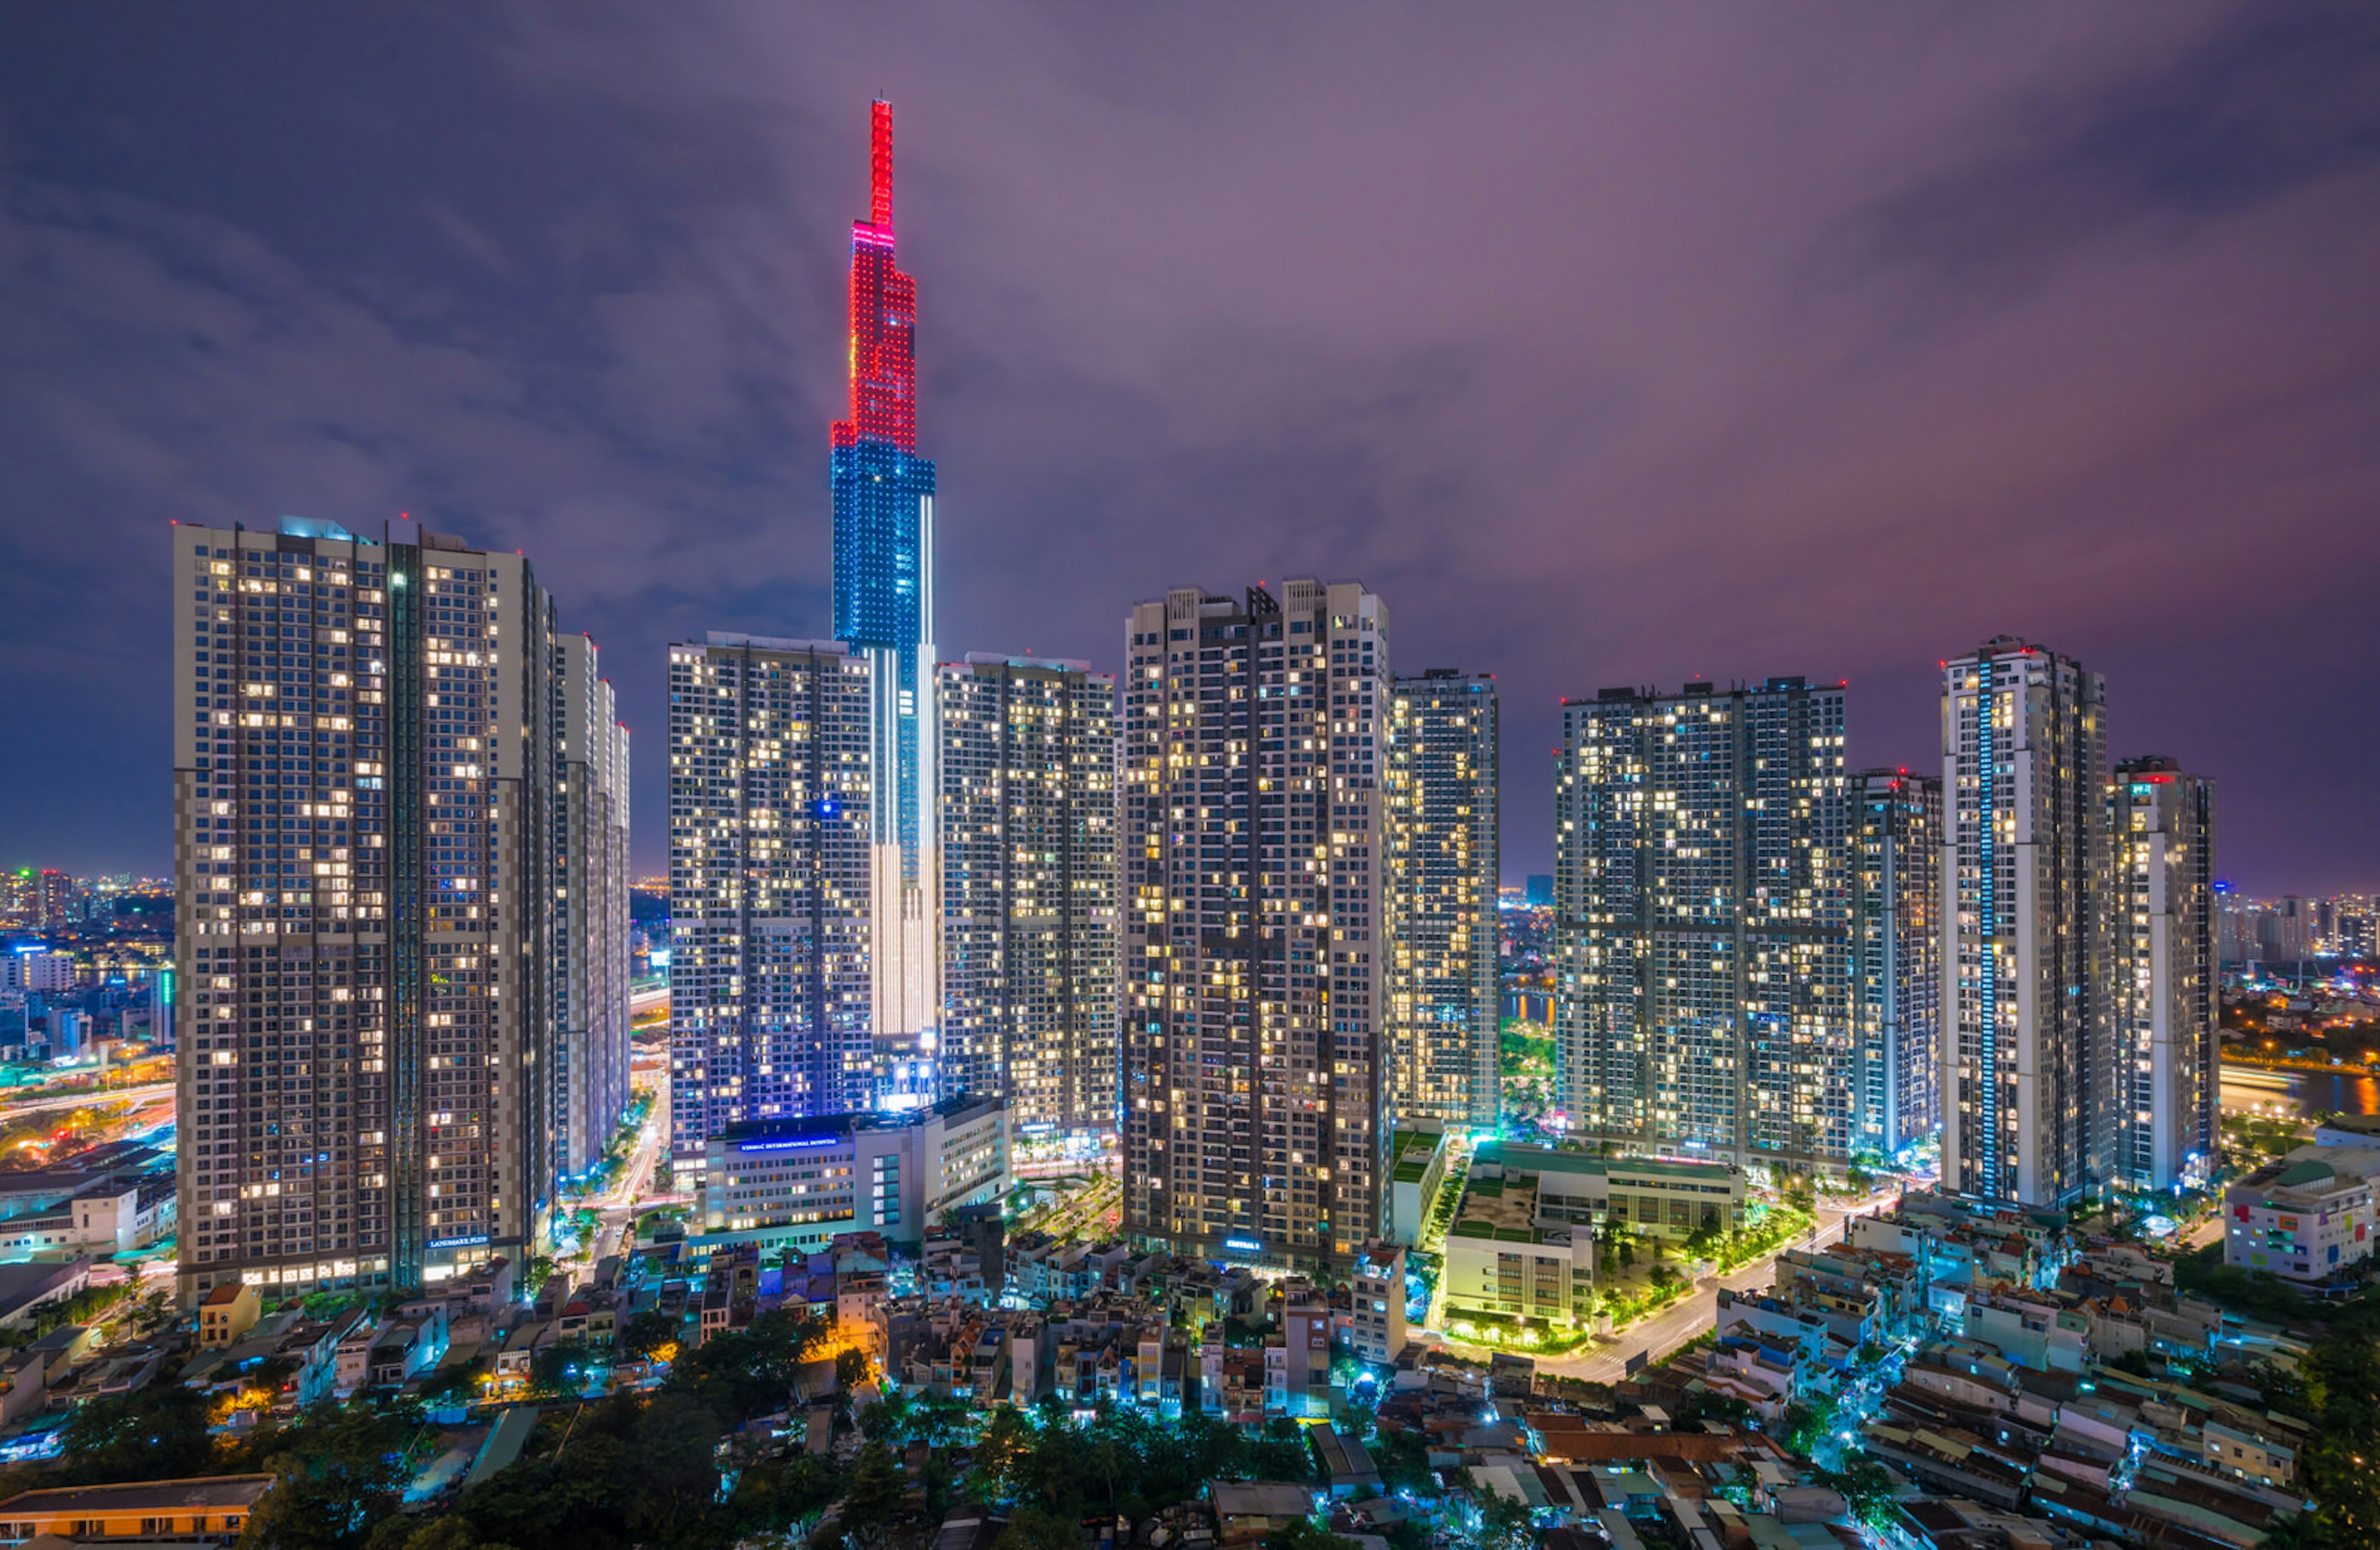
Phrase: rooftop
(211, 1493)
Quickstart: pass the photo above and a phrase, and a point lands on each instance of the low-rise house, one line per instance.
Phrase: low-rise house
(226, 1313)
(1252, 1510)
(1347, 1469)
(351, 1359)
(2249, 1452)
(407, 1346)
(206, 1509)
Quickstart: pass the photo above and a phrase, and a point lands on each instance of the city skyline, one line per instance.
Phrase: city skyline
(685, 469)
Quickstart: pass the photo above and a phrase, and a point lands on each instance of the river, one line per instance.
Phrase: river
(2249, 1088)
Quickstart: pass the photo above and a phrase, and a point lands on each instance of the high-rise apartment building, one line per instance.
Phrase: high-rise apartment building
(884, 609)
(21, 901)
(2025, 1064)
(1255, 942)
(2164, 983)
(1028, 867)
(1702, 868)
(1897, 949)
(1438, 756)
(771, 853)
(367, 808)
(590, 891)
(60, 902)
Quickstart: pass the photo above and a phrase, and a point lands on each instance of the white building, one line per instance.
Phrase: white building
(2308, 1217)
(1376, 1326)
(39, 973)
(803, 1182)
(590, 954)
(2025, 1066)
(2165, 986)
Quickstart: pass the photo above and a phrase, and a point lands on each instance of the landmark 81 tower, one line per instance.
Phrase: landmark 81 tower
(884, 609)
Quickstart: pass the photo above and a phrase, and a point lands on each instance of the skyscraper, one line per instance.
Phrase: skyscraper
(1897, 943)
(367, 810)
(1703, 864)
(884, 609)
(590, 891)
(2164, 983)
(2025, 1108)
(60, 906)
(771, 845)
(1029, 856)
(1439, 748)
(1255, 945)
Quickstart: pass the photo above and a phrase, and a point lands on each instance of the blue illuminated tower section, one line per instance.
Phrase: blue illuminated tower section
(884, 608)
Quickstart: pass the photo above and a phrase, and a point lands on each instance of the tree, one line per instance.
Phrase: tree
(341, 1469)
(1033, 1527)
(872, 1498)
(1403, 1459)
(1506, 1523)
(1806, 1426)
(536, 1272)
(1280, 1454)
(775, 1494)
(158, 1432)
(647, 1335)
(1306, 1534)
(852, 1368)
(450, 1532)
(555, 1368)
(1865, 1487)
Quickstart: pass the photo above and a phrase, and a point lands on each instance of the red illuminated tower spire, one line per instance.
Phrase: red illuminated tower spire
(880, 182)
(883, 313)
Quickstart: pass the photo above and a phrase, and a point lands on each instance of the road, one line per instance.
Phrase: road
(616, 1208)
(1082, 1212)
(140, 1093)
(1606, 1362)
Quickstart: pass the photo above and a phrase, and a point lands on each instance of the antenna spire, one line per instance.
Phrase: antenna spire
(879, 181)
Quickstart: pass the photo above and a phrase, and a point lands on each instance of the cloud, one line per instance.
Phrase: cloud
(1610, 345)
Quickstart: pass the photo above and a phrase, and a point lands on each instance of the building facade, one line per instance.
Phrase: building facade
(2025, 1068)
(590, 891)
(2308, 1215)
(883, 495)
(770, 859)
(1440, 744)
(802, 1181)
(367, 812)
(1702, 994)
(1254, 941)
(1028, 869)
(2165, 983)
(1897, 948)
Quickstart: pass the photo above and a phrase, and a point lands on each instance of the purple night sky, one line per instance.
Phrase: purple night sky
(1610, 345)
